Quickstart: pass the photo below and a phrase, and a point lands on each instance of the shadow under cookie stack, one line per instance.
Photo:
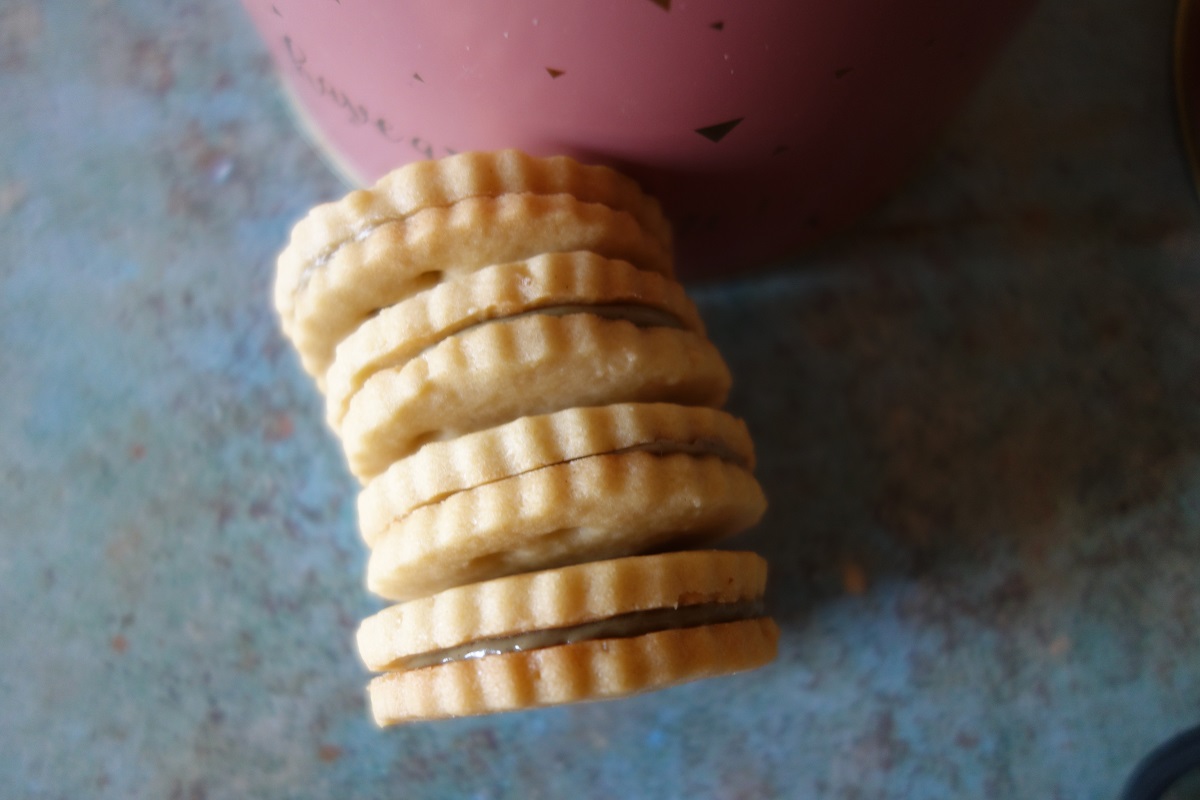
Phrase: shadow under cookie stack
(532, 406)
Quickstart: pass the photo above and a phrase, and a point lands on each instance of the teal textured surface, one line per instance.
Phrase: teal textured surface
(978, 418)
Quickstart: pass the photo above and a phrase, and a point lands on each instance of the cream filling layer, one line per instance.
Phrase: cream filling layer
(697, 447)
(641, 316)
(621, 626)
(701, 448)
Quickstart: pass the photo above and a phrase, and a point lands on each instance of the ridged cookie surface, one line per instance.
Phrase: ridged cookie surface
(398, 259)
(440, 469)
(558, 598)
(503, 370)
(553, 280)
(592, 508)
(433, 184)
(596, 670)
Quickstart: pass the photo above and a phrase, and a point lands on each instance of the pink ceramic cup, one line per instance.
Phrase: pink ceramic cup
(763, 125)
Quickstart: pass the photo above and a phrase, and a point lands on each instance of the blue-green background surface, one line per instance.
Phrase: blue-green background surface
(978, 417)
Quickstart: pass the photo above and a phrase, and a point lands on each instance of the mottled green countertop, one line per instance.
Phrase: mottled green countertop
(978, 415)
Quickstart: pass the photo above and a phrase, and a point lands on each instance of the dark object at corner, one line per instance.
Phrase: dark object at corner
(1165, 765)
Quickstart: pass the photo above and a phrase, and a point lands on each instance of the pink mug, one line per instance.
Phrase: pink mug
(762, 125)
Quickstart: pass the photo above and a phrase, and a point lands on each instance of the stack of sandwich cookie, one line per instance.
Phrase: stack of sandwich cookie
(531, 403)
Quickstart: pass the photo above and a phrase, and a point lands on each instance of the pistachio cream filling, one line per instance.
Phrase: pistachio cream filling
(702, 448)
(696, 447)
(641, 316)
(621, 626)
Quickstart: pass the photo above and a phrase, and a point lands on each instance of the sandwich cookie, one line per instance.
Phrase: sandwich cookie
(593, 631)
(635, 500)
(531, 364)
(441, 469)
(553, 283)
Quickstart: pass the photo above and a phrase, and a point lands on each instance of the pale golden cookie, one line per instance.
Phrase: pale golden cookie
(440, 469)
(579, 672)
(557, 599)
(592, 508)
(554, 282)
(398, 259)
(437, 184)
(536, 364)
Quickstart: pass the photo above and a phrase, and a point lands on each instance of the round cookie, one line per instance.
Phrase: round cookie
(437, 184)
(601, 669)
(591, 508)
(553, 283)
(559, 599)
(507, 369)
(441, 469)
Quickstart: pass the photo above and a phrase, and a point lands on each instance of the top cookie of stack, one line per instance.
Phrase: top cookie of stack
(514, 373)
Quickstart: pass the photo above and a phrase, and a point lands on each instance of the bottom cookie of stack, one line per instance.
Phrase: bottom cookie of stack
(594, 631)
